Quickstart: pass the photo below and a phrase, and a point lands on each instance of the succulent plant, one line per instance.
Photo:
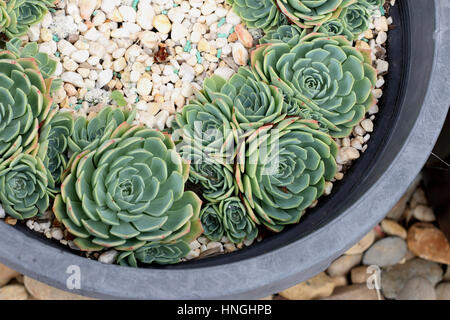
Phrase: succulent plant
(46, 65)
(127, 193)
(356, 18)
(53, 146)
(325, 74)
(262, 14)
(334, 27)
(282, 170)
(16, 16)
(89, 134)
(215, 178)
(307, 14)
(23, 187)
(24, 104)
(212, 222)
(290, 34)
(206, 126)
(237, 223)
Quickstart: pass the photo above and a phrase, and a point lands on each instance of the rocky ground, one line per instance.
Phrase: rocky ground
(411, 252)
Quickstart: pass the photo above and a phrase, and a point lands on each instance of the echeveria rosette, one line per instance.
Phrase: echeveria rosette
(310, 13)
(356, 18)
(325, 74)
(215, 178)
(335, 27)
(373, 4)
(90, 133)
(16, 16)
(127, 193)
(290, 34)
(262, 14)
(24, 104)
(23, 187)
(237, 223)
(53, 146)
(205, 124)
(283, 171)
(212, 222)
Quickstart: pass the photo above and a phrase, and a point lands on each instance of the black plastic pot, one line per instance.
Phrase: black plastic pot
(413, 109)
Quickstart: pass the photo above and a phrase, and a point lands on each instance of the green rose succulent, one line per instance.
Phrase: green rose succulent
(282, 170)
(16, 16)
(237, 223)
(53, 146)
(212, 222)
(308, 14)
(127, 192)
(24, 104)
(290, 34)
(89, 134)
(356, 18)
(334, 27)
(23, 187)
(262, 14)
(325, 74)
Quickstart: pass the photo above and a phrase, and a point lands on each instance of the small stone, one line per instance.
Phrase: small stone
(87, 7)
(343, 265)
(13, 292)
(119, 64)
(340, 281)
(353, 292)
(179, 32)
(128, 14)
(144, 86)
(443, 291)
(320, 286)
(203, 45)
(417, 288)
(382, 66)
(162, 23)
(392, 228)
(41, 291)
(108, 257)
(385, 252)
(57, 233)
(423, 213)
(359, 275)
(6, 274)
(244, 36)
(394, 278)
(224, 72)
(73, 78)
(240, 54)
(2, 212)
(381, 38)
(363, 244)
(104, 77)
(347, 154)
(428, 242)
(367, 125)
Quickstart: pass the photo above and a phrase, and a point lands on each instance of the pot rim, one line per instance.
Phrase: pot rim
(272, 271)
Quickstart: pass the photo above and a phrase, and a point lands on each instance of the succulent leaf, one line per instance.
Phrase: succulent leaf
(23, 187)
